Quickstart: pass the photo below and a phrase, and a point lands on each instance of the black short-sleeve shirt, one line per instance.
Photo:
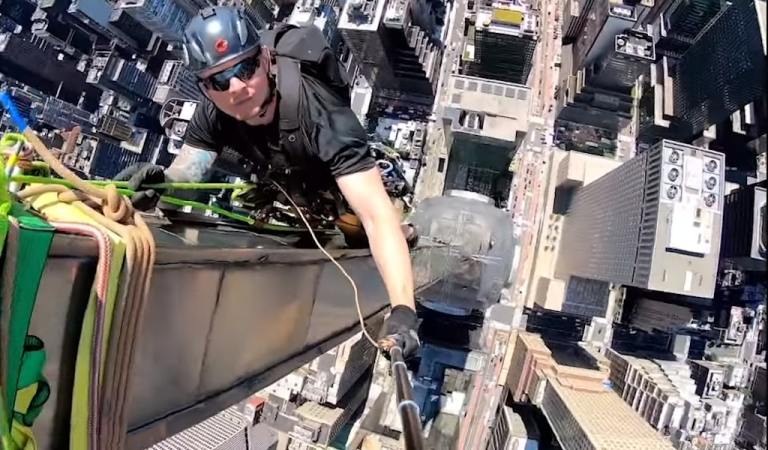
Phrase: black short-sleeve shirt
(336, 139)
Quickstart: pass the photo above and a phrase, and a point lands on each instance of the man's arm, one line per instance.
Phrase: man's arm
(190, 165)
(365, 194)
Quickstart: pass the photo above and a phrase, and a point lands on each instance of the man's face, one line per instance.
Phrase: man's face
(248, 99)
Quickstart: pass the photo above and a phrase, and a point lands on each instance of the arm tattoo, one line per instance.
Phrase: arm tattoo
(190, 165)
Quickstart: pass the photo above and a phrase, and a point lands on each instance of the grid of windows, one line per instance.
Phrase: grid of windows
(723, 71)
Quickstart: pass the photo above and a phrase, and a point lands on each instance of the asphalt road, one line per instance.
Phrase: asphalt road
(431, 181)
(532, 176)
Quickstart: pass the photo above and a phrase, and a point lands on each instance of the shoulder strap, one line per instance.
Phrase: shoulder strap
(293, 46)
(289, 86)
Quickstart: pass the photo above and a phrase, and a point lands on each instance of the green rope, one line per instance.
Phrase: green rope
(29, 179)
(11, 139)
(123, 189)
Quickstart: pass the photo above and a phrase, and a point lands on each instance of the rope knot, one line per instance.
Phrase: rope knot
(116, 206)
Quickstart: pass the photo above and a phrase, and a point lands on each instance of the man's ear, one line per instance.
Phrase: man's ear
(272, 61)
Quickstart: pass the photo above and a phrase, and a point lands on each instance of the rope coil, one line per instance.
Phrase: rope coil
(106, 424)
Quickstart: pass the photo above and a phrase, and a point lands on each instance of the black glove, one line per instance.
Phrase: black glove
(411, 235)
(138, 176)
(400, 329)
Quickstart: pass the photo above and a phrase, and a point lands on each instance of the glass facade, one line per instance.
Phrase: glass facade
(723, 71)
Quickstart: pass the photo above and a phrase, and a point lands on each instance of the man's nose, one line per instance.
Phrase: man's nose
(236, 85)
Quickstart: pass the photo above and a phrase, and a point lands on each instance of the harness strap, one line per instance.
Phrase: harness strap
(25, 389)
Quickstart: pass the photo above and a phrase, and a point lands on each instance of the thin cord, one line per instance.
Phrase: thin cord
(333, 260)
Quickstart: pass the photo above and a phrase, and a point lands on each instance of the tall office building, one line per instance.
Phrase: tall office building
(744, 228)
(167, 18)
(606, 19)
(320, 14)
(51, 25)
(175, 81)
(110, 71)
(261, 12)
(397, 49)
(619, 68)
(724, 70)
(62, 115)
(570, 383)
(575, 14)
(313, 403)
(500, 41)
(678, 26)
(655, 107)
(114, 123)
(227, 430)
(556, 325)
(26, 58)
(486, 123)
(654, 222)
(511, 430)
(603, 64)
(666, 394)
(74, 27)
(600, 94)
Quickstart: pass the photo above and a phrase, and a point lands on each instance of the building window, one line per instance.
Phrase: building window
(472, 86)
(440, 165)
(522, 94)
(498, 90)
(486, 88)
(458, 84)
(456, 98)
(470, 119)
(510, 92)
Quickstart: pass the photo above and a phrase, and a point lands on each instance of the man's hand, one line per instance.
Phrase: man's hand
(138, 176)
(400, 328)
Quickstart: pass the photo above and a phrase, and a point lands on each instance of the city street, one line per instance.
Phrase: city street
(545, 74)
(430, 183)
(531, 177)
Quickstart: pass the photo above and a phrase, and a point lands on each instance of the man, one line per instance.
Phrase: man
(242, 110)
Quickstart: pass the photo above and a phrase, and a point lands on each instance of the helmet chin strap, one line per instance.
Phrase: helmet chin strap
(271, 79)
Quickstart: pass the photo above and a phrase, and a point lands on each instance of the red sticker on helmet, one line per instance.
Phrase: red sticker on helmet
(221, 45)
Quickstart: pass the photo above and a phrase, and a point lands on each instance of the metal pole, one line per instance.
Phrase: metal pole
(408, 409)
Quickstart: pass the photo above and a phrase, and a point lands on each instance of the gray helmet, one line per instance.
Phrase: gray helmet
(216, 35)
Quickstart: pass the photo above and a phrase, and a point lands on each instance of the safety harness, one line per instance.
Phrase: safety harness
(296, 49)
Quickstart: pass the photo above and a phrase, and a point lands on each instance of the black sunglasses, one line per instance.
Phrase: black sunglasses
(243, 70)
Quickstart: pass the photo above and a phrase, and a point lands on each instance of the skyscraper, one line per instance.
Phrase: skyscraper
(744, 232)
(26, 58)
(175, 81)
(110, 71)
(398, 50)
(570, 383)
(575, 18)
(484, 119)
(607, 58)
(261, 12)
(723, 70)
(621, 65)
(681, 22)
(321, 15)
(167, 18)
(606, 19)
(500, 41)
(654, 222)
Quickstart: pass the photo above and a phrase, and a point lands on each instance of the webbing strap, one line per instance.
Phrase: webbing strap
(33, 389)
(29, 240)
(92, 353)
(288, 84)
